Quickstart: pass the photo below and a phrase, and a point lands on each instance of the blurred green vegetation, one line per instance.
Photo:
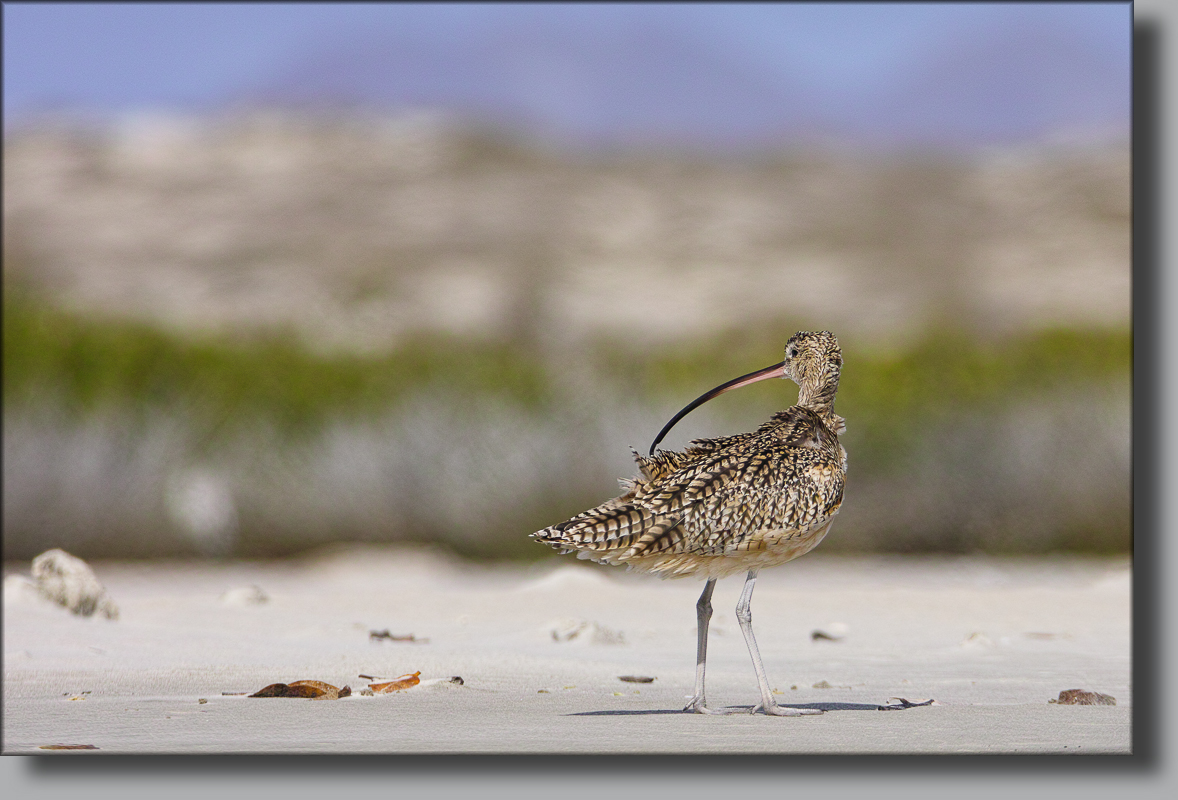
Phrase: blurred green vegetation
(946, 372)
(87, 364)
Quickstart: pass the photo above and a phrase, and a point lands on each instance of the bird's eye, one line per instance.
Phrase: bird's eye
(792, 352)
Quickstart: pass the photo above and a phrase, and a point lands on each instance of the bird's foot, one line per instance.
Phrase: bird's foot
(775, 710)
(696, 705)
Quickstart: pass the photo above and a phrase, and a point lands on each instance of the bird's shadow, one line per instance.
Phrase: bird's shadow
(748, 709)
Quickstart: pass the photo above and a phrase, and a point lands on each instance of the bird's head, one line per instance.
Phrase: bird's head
(813, 360)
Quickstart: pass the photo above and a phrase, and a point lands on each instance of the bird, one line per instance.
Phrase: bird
(730, 504)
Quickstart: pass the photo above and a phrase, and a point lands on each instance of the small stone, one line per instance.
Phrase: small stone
(1080, 697)
(69, 581)
(833, 632)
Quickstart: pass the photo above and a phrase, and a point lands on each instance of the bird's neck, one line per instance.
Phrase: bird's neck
(819, 398)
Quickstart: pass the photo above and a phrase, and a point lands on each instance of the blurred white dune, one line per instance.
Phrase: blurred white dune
(360, 230)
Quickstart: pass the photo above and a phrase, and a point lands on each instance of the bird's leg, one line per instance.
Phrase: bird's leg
(744, 614)
(703, 615)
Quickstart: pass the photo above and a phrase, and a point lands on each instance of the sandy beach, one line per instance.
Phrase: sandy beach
(540, 651)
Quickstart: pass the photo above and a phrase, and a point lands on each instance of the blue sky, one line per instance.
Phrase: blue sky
(114, 58)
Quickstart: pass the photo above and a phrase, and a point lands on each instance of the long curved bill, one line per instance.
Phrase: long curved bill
(775, 371)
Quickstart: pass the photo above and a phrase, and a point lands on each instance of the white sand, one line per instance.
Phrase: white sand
(990, 640)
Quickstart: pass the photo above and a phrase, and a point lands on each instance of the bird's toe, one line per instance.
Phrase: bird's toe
(785, 711)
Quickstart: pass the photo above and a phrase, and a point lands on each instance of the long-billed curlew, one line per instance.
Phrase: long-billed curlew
(730, 504)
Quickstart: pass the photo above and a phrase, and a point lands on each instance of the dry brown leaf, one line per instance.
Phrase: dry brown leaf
(284, 690)
(396, 685)
(326, 690)
(312, 690)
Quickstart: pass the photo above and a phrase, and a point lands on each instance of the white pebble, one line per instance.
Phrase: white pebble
(69, 581)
